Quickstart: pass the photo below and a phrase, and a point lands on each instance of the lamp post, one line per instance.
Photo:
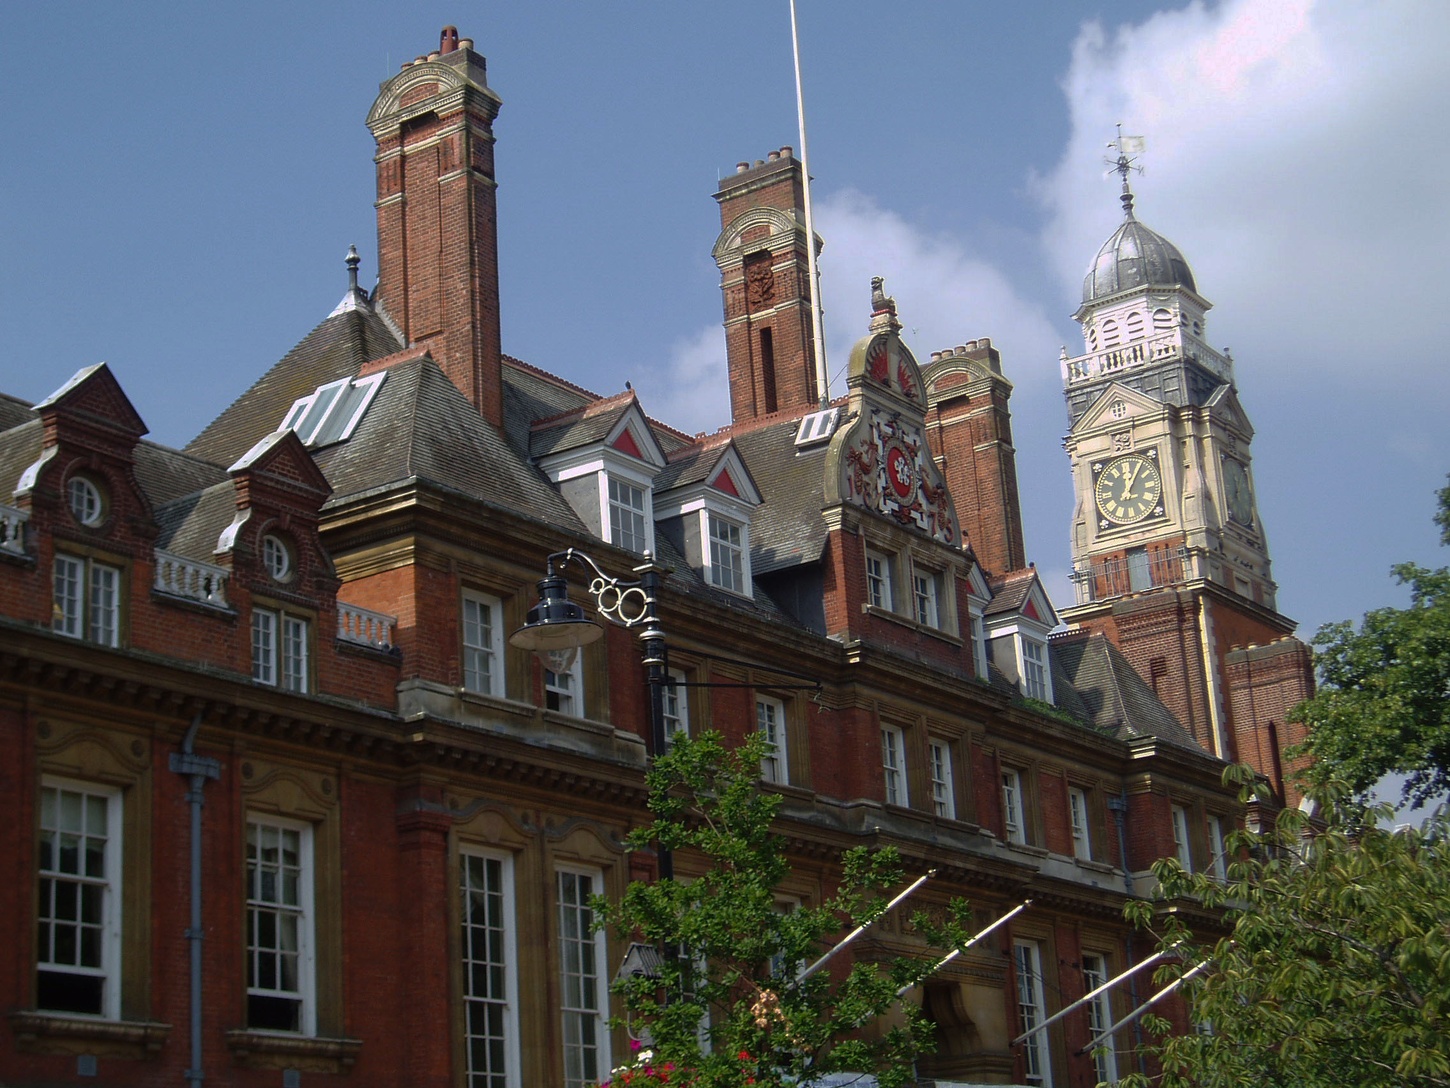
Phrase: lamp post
(556, 627)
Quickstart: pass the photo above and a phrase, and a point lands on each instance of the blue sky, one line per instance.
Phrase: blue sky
(181, 182)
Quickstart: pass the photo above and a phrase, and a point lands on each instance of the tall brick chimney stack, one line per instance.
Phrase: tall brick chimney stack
(764, 276)
(969, 428)
(437, 214)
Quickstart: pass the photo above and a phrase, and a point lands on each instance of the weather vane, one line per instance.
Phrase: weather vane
(1128, 149)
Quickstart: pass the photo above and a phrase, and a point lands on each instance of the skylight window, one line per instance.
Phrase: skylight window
(816, 427)
(331, 412)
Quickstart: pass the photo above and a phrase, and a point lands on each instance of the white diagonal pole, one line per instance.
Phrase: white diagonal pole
(1108, 1033)
(812, 271)
(1157, 957)
(981, 935)
(848, 938)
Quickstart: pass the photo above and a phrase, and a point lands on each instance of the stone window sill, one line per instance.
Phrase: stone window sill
(59, 1033)
(306, 1053)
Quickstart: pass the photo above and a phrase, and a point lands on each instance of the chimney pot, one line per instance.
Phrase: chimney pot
(465, 43)
(984, 342)
(759, 162)
(434, 55)
(787, 151)
(448, 40)
(773, 156)
(961, 349)
(741, 167)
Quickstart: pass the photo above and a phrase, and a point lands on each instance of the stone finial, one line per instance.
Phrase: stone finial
(883, 307)
(353, 260)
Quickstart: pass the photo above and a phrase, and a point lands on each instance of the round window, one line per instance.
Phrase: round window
(86, 504)
(277, 558)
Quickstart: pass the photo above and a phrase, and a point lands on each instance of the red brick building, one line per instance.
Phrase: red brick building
(287, 806)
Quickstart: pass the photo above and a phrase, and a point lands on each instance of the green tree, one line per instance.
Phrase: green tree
(1384, 700)
(1335, 967)
(729, 979)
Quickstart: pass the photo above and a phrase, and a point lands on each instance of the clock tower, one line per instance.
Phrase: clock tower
(1170, 559)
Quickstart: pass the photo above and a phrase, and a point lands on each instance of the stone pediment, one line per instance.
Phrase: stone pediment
(1224, 408)
(1116, 405)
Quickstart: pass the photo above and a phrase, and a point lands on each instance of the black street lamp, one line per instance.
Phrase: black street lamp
(556, 628)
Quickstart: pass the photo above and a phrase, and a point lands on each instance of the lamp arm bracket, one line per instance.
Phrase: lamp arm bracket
(627, 603)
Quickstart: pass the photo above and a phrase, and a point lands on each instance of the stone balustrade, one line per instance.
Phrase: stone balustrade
(12, 530)
(364, 627)
(191, 579)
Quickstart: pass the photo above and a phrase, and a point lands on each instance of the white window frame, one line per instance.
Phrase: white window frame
(86, 599)
(478, 944)
(628, 523)
(770, 720)
(1014, 827)
(1035, 672)
(978, 628)
(1181, 848)
(87, 504)
(893, 765)
(1032, 1011)
(727, 560)
(281, 650)
(54, 954)
(674, 698)
(583, 979)
(1095, 973)
(299, 908)
(943, 793)
(1077, 807)
(879, 590)
(565, 687)
(926, 597)
(482, 637)
(1217, 847)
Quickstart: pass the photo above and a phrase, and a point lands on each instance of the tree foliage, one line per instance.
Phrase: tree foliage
(1384, 700)
(729, 978)
(1336, 965)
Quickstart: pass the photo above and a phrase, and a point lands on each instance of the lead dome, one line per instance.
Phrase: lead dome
(1135, 256)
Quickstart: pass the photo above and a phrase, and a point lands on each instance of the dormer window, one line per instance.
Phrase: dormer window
(629, 522)
(726, 567)
(87, 505)
(604, 459)
(1036, 682)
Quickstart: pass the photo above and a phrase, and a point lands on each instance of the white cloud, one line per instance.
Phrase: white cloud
(1295, 152)
(690, 392)
(945, 294)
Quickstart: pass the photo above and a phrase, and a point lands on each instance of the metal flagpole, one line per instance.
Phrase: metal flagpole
(813, 968)
(1085, 998)
(1141, 1009)
(954, 953)
(813, 271)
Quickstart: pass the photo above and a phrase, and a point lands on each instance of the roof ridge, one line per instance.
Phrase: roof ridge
(553, 379)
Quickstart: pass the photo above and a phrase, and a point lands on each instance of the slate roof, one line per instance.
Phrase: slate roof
(19, 447)
(420, 426)
(335, 349)
(1113, 695)
(787, 529)
(1009, 592)
(190, 525)
(582, 426)
(692, 464)
(14, 412)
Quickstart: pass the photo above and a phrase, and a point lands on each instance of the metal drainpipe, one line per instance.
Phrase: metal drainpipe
(199, 769)
(1119, 807)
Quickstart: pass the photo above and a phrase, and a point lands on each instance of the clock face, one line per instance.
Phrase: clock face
(1129, 490)
(1237, 496)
